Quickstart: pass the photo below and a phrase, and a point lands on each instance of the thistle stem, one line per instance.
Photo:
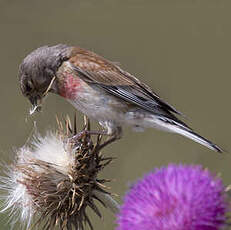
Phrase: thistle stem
(108, 201)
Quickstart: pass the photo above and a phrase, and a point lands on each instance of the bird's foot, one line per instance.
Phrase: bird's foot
(84, 133)
(113, 134)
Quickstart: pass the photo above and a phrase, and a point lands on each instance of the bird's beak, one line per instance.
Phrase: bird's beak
(36, 104)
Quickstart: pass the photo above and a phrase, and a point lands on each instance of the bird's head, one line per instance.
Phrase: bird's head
(37, 72)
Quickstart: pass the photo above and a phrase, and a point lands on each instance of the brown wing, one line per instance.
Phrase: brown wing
(98, 71)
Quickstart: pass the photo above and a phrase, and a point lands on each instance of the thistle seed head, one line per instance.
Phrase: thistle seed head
(52, 182)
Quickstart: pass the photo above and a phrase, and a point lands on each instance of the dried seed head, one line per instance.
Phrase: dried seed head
(52, 182)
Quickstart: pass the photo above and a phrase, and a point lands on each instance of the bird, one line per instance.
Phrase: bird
(101, 90)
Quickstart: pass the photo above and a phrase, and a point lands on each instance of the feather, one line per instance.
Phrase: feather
(176, 127)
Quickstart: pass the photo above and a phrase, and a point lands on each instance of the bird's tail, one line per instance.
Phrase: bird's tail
(180, 128)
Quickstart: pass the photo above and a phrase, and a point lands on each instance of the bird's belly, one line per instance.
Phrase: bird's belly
(103, 107)
(99, 105)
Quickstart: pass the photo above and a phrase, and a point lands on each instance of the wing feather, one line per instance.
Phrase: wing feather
(96, 70)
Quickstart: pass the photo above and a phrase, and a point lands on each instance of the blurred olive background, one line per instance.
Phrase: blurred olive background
(180, 48)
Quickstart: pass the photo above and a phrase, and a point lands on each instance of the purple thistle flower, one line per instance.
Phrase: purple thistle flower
(176, 197)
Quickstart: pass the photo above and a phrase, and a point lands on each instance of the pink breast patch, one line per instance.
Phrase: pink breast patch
(71, 86)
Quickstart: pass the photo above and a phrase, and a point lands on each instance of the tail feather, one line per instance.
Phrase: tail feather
(176, 127)
(199, 139)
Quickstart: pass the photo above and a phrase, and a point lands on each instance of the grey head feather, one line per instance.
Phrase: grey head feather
(40, 66)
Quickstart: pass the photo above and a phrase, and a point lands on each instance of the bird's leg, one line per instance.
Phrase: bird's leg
(116, 135)
(83, 133)
(86, 131)
(112, 131)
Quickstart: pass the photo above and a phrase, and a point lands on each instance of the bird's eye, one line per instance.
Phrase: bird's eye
(29, 86)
